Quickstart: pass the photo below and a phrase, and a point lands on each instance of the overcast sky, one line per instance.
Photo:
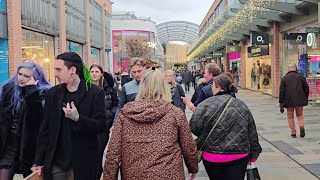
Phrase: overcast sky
(166, 10)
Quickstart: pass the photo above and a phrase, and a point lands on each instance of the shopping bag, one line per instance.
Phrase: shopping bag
(34, 176)
(199, 154)
(252, 172)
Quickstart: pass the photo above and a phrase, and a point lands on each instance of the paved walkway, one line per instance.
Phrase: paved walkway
(283, 158)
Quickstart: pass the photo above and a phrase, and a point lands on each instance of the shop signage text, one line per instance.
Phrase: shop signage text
(297, 37)
(94, 52)
(255, 51)
(217, 54)
(73, 48)
(152, 45)
(232, 49)
(208, 56)
(260, 38)
(312, 40)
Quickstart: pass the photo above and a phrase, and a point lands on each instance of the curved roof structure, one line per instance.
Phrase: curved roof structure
(177, 31)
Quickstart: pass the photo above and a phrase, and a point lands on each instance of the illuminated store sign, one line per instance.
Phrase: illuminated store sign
(259, 38)
(260, 50)
(152, 45)
(312, 40)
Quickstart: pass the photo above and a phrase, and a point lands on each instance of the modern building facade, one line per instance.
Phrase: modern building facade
(40, 30)
(4, 64)
(124, 25)
(258, 45)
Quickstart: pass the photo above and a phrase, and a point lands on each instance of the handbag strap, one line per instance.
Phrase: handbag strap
(225, 108)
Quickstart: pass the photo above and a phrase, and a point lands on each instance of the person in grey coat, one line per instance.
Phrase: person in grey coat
(187, 77)
(176, 91)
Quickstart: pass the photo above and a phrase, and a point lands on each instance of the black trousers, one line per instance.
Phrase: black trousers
(103, 139)
(187, 86)
(234, 170)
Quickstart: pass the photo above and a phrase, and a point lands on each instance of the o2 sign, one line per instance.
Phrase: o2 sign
(312, 40)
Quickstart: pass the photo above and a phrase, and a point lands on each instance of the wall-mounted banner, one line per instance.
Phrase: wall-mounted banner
(303, 64)
(232, 49)
(255, 51)
(259, 38)
(295, 38)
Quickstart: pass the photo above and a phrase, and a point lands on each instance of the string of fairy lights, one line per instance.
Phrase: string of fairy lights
(245, 16)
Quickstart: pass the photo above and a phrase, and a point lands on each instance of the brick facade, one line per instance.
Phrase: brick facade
(14, 35)
(243, 63)
(15, 32)
(275, 65)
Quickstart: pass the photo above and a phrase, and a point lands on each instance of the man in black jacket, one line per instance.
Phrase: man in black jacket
(74, 114)
(294, 92)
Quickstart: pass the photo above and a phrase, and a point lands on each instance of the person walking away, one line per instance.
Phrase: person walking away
(233, 140)
(74, 114)
(187, 76)
(21, 108)
(176, 91)
(211, 70)
(200, 84)
(104, 81)
(117, 80)
(179, 79)
(151, 136)
(293, 95)
(130, 90)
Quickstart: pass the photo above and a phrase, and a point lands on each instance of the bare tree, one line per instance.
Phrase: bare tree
(137, 47)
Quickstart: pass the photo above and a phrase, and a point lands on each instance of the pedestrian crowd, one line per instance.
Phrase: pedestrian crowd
(93, 125)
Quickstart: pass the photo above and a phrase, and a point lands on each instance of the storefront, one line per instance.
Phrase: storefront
(235, 63)
(39, 48)
(258, 67)
(4, 63)
(120, 57)
(235, 67)
(302, 47)
(75, 47)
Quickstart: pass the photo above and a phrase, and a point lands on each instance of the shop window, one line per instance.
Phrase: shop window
(39, 48)
(95, 55)
(3, 6)
(4, 64)
(75, 47)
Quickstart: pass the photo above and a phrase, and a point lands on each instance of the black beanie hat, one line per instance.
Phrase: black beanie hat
(70, 57)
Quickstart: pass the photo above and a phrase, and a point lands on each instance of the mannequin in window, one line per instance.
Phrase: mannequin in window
(253, 75)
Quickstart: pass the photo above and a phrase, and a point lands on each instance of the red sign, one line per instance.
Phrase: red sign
(314, 87)
(234, 55)
(314, 58)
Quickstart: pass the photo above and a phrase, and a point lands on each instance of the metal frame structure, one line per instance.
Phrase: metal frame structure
(177, 31)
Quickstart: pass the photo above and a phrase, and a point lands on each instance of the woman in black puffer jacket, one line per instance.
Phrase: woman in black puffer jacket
(105, 81)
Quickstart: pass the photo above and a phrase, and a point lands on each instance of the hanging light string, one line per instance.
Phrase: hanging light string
(244, 17)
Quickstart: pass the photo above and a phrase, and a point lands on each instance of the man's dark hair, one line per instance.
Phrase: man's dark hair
(79, 67)
(72, 59)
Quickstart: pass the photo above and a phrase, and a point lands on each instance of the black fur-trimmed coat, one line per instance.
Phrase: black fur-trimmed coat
(30, 119)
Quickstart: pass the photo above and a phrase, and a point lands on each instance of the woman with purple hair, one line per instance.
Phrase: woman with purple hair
(21, 108)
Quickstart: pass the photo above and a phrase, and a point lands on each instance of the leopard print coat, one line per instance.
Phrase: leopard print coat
(149, 141)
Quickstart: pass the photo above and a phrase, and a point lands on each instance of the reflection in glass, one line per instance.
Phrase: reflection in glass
(39, 48)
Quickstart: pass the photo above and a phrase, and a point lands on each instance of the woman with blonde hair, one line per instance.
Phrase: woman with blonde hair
(176, 90)
(150, 136)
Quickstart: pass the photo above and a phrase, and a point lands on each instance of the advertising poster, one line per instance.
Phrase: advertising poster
(302, 65)
(4, 63)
